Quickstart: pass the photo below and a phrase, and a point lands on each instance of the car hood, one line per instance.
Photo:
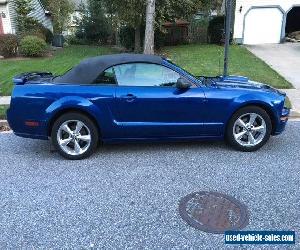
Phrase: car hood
(245, 83)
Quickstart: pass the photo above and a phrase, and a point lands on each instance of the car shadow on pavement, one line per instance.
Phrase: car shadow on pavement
(159, 146)
(27, 147)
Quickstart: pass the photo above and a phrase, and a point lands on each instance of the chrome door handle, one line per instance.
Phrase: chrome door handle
(129, 97)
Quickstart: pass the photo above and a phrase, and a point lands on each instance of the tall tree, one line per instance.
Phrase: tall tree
(93, 24)
(209, 5)
(25, 22)
(149, 31)
(132, 13)
(113, 20)
(61, 11)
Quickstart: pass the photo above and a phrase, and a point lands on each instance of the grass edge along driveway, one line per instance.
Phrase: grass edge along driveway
(3, 109)
(207, 60)
(198, 59)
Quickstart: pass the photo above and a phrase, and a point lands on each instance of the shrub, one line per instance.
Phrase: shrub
(36, 33)
(8, 45)
(47, 33)
(127, 37)
(94, 26)
(215, 30)
(33, 46)
(73, 40)
(198, 31)
(160, 38)
(39, 30)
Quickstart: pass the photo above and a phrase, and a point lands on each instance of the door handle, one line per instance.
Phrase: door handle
(129, 97)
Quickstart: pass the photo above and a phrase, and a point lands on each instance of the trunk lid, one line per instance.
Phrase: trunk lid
(32, 77)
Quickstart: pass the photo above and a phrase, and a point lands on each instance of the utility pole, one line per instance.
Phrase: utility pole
(228, 16)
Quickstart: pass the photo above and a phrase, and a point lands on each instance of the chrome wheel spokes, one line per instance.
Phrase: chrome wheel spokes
(249, 129)
(74, 137)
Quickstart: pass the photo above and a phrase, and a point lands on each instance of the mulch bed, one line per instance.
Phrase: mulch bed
(23, 58)
(4, 128)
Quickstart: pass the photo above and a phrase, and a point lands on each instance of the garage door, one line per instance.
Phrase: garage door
(263, 25)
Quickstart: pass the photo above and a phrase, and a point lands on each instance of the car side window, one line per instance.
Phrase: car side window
(145, 74)
(106, 77)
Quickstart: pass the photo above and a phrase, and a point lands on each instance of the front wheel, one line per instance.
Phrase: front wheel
(75, 136)
(249, 129)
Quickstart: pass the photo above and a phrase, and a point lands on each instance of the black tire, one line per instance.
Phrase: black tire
(89, 126)
(230, 138)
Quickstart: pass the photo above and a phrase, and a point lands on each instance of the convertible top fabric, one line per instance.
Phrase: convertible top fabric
(88, 70)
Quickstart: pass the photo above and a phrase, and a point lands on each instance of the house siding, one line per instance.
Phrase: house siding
(6, 21)
(38, 13)
(246, 5)
(13, 16)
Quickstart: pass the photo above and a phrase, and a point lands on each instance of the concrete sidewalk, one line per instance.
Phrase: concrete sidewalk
(294, 96)
(4, 100)
(283, 58)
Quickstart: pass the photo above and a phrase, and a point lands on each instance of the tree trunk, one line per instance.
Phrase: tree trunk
(149, 31)
(137, 39)
(117, 36)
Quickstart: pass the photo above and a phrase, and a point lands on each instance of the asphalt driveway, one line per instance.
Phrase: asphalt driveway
(126, 196)
(284, 58)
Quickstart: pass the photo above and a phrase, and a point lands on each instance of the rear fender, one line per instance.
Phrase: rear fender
(74, 103)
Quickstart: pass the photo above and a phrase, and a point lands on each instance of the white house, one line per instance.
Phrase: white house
(8, 16)
(265, 21)
(75, 17)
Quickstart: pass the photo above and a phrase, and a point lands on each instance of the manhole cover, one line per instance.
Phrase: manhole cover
(213, 212)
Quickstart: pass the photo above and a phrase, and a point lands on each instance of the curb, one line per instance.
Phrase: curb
(4, 123)
(5, 100)
(294, 114)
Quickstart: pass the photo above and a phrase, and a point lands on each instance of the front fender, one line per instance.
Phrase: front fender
(272, 104)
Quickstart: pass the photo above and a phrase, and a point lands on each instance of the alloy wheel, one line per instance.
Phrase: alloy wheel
(249, 130)
(74, 137)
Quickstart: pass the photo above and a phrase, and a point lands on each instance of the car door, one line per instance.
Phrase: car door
(149, 104)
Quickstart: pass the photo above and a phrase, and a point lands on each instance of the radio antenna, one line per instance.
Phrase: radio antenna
(228, 15)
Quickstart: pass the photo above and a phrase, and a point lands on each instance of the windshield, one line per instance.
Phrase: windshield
(169, 61)
(197, 78)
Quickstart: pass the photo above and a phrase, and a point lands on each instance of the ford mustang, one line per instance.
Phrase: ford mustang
(133, 97)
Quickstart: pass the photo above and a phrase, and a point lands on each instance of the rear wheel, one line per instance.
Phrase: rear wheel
(75, 136)
(249, 129)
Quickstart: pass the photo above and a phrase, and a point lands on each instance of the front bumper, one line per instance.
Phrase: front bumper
(281, 124)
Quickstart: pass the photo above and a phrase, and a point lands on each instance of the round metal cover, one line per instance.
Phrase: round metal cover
(213, 212)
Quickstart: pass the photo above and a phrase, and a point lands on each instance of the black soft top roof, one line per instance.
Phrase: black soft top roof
(89, 69)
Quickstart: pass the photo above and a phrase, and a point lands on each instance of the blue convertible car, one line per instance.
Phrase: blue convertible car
(128, 97)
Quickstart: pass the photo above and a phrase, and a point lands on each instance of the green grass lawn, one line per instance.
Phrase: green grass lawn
(198, 59)
(62, 60)
(207, 60)
(3, 109)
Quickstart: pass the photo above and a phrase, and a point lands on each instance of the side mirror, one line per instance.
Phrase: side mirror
(183, 84)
